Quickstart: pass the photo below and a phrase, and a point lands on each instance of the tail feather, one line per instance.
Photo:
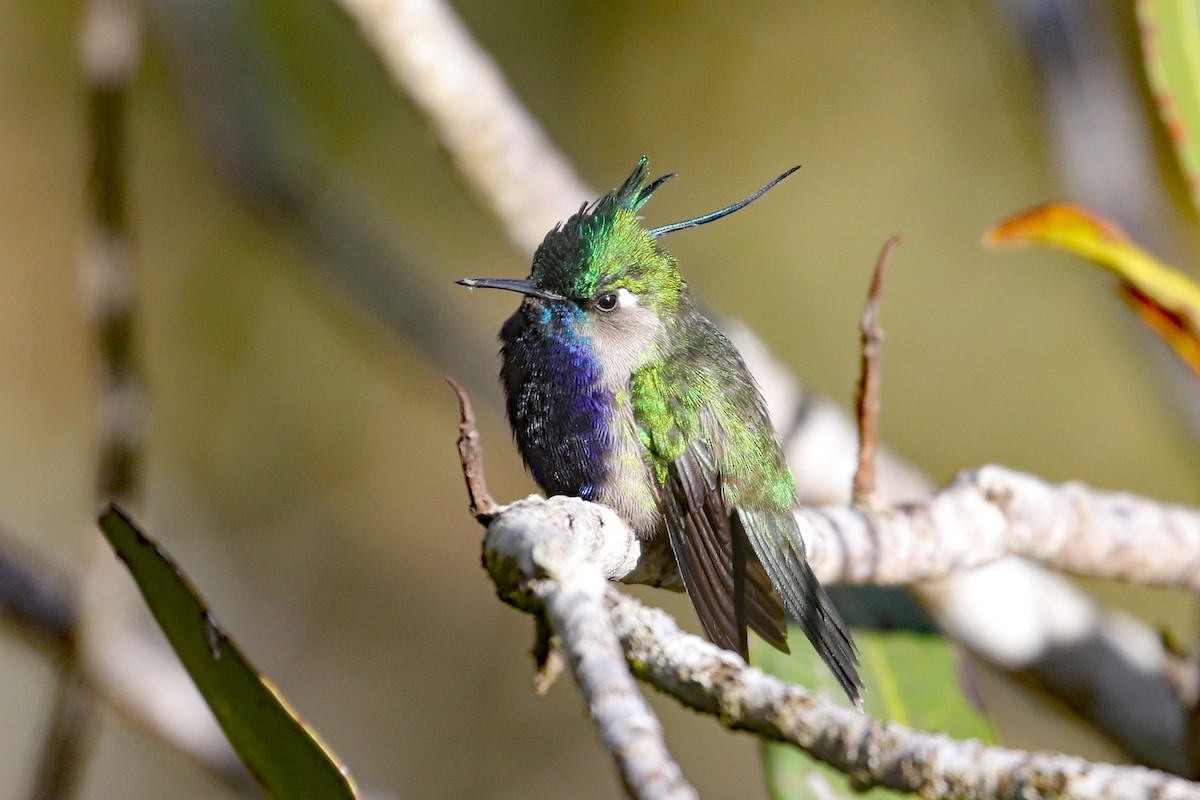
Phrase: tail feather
(764, 612)
(777, 543)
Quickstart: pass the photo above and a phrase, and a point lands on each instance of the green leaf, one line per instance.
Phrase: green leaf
(1170, 32)
(281, 752)
(911, 678)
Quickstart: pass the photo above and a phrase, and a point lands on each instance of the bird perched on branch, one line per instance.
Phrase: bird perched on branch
(619, 391)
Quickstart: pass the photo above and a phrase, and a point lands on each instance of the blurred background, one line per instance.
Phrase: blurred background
(301, 462)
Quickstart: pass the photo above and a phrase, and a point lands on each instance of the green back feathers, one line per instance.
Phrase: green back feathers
(604, 247)
(670, 398)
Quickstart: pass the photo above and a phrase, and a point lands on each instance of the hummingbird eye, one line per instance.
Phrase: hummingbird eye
(607, 302)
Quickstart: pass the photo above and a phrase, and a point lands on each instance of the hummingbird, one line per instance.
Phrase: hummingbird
(618, 390)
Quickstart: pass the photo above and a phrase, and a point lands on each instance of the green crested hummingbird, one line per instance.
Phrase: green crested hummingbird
(619, 391)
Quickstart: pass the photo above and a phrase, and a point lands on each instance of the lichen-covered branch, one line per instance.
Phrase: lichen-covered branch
(541, 566)
(873, 753)
(993, 512)
(550, 558)
(985, 515)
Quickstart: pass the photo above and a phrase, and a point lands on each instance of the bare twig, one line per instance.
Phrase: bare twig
(560, 577)
(868, 387)
(987, 514)
(471, 454)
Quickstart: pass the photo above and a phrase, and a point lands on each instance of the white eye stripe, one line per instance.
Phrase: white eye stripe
(626, 298)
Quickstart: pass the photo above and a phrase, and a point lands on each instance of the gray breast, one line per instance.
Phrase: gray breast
(629, 487)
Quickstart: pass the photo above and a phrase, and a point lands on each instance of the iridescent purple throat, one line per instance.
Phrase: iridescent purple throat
(557, 405)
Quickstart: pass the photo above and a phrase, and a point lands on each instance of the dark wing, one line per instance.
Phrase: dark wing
(727, 585)
(775, 537)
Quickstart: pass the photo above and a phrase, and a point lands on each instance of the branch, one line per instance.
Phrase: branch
(713, 681)
(65, 751)
(867, 401)
(110, 50)
(985, 515)
(549, 558)
(560, 576)
(993, 512)
(964, 526)
(540, 565)
(471, 456)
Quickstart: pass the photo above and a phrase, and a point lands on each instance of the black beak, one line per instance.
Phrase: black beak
(525, 287)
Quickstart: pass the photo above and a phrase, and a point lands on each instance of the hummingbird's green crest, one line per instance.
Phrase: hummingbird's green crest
(619, 391)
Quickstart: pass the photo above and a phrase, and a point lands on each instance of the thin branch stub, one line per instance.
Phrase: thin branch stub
(470, 452)
(867, 400)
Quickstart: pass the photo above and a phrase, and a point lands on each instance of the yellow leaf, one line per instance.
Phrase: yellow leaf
(1163, 298)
